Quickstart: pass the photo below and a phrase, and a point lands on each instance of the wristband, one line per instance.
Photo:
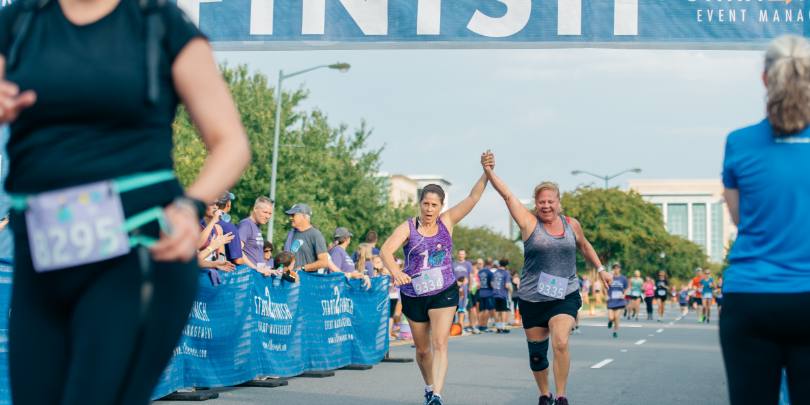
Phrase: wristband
(601, 269)
(192, 204)
(210, 250)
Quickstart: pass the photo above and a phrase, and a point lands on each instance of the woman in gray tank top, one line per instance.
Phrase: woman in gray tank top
(549, 288)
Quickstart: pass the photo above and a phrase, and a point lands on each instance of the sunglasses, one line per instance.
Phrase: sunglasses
(268, 251)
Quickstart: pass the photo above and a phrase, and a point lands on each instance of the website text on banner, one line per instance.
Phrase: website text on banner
(247, 327)
(363, 24)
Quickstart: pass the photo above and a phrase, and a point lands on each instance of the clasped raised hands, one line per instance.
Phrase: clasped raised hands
(488, 160)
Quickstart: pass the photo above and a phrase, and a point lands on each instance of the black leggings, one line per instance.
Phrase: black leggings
(649, 302)
(760, 334)
(77, 336)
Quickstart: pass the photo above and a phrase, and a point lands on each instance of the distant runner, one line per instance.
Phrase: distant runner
(708, 289)
(661, 292)
(486, 303)
(501, 284)
(616, 302)
(635, 295)
(697, 289)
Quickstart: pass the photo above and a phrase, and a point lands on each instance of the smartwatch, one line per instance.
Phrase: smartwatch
(193, 204)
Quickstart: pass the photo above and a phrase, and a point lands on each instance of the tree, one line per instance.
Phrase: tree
(327, 168)
(623, 227)
(482, 242)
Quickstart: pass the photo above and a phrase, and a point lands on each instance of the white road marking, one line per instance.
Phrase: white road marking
(672, 323)
(659, 331)
(601, 363)
(651, 335)
(640, 341)
(624, 351)
(603, 325)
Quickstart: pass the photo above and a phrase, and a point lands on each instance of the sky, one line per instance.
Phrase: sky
(543, 113)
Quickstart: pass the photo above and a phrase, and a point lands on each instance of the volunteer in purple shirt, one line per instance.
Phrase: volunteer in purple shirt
(251, 235)
(429, 290)
(462, 268)
(337, 250)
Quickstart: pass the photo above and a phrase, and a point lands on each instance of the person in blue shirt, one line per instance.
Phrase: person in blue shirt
(767, 190)
(616, 301)
(371, 239)
(708, 289)
(486, 300)
(501, 285)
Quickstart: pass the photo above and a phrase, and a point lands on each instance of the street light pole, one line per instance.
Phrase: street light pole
(343, 68)
(606, 178)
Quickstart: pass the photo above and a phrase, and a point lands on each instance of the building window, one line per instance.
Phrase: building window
(677, 218)
(717, 233)
(699, 224)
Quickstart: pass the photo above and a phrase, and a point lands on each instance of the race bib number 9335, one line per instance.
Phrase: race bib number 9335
(552, 286)
(75, 226)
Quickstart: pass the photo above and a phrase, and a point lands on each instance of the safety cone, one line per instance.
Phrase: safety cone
(593, 312)
(517, 317)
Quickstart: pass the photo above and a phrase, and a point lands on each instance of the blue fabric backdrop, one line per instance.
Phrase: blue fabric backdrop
(247, 327)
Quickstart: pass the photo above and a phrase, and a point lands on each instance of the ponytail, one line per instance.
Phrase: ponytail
(787, 72)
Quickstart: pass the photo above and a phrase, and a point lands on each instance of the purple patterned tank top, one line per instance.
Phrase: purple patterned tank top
(424, 253)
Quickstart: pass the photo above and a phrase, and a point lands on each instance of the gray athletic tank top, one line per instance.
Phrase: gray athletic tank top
(554, 255)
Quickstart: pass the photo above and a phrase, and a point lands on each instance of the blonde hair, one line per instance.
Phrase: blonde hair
(549, 185)
(363, 255)
(787, 70)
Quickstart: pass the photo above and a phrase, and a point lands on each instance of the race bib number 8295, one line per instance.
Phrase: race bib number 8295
(75, 226)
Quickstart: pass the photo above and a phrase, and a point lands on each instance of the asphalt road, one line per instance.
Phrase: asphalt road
(675, 362)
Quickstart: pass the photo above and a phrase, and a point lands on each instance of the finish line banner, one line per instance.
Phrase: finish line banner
(391, 24)
(247, 327)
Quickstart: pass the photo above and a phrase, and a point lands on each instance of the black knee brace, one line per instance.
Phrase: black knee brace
(538, 355)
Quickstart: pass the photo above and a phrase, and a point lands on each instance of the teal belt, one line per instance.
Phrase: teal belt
(19, 202)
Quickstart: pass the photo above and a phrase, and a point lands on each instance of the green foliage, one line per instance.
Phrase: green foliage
(333, 172)
(483, 242)
(623, 227)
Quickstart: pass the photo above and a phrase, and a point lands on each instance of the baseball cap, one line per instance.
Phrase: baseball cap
(225, 197)
(617, 264)
(300, 209)
(342, 233)
(496, 263)
(698, 269)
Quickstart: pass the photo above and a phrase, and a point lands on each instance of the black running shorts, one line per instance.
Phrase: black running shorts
(537, 314)
(416, 308)
(500, 305)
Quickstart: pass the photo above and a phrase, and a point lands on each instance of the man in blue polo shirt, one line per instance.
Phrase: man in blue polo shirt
(233, 249)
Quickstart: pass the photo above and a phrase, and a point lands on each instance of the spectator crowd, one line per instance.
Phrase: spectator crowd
(487, 288)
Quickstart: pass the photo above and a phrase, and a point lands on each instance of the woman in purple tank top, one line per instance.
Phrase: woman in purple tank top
(427, 285)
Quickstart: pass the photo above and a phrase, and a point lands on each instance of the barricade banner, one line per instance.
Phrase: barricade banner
(248, 327)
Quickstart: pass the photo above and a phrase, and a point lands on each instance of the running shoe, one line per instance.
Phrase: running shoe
(615, 335)
(610, 324)
(561, 401)
(577, 331)
(707, 320)
(700, 319)
(435, 401)
(660, 320)
(475, 331)
(428, 396)
(465, 333)
(546, 400)
(505, 331)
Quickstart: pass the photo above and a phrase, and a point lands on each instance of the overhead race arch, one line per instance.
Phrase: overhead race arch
(392, 24)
